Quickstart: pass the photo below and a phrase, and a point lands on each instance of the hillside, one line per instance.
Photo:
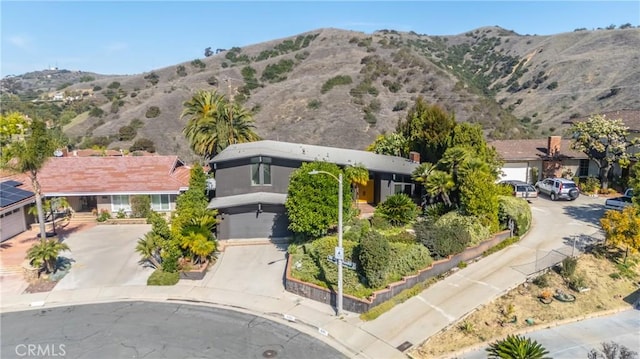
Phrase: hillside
(343, 88)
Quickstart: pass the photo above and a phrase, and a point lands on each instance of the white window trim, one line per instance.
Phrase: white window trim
(157, 206)
(117, 208)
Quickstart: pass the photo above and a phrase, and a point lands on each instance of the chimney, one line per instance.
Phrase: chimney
(414, 157)
(553, 146)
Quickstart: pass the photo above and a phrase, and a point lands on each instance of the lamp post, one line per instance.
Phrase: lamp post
(339, 252)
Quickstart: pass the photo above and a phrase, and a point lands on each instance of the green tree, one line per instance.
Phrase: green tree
(606, 143)
(149, 248)
(398, 209)
(198, 239)
(479, 197)
(29, 155)
(440, 183)
(143, 144)
(312, 201)
(428, 130)
(140, 206)
(517, 347)
(374, 256)
(634, 183)
(45, 253)
(214, 123)
(391, 144)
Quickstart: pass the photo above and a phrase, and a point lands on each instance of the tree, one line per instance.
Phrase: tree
(634, 183)
(197, 237)
(517, 347)
(623, 228)
(191, 204)
(605, 142)
(208, 52)
(312, 201)
(143, 144)
(214, 123)
(46, 253)
(29, 155)
(440, 183)
(391, 144)
(428, 130)
(612, 350)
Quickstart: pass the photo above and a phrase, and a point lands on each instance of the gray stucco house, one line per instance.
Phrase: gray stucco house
(252, 181)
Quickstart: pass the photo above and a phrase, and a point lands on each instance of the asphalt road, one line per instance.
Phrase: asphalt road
(152, 330)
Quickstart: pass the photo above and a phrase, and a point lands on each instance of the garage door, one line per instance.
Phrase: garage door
(516, 171)
(252, 221)
(12, 223)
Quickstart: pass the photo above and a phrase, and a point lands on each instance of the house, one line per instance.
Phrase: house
(14, 197)
(108, 183)
(534, 159)
(252, 180)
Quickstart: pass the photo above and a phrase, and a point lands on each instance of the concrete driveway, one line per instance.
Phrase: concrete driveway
(105, 256)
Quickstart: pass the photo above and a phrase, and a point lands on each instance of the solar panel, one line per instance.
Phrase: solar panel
(9, 194)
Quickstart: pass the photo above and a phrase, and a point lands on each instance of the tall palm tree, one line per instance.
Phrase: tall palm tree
(214, 123)
(517, 347)
(46, 253)
(440, 183)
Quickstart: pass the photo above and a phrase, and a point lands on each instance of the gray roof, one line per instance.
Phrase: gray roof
(310, 153)
(247, 198)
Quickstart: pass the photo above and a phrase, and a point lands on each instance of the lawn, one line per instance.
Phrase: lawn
(611, 286)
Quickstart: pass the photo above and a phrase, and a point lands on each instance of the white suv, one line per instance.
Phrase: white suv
(558, 188)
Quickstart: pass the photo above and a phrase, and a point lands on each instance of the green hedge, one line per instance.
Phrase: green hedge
(159, 277)
(516, 208)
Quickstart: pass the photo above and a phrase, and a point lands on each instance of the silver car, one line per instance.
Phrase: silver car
(557, 188)
(522, 189)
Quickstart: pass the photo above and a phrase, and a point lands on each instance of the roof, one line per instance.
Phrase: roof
(535, 149)
(247, 198)
(311, 153)
(631, 118)
(64, 176)
(11, 193)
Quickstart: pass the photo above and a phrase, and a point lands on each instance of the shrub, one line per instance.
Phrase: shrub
(400, 105)
(152, 112)
(213, 81)
(380, 223)
(143, 144)
(121, 214)
(442, 240)
(160, 277)
(398, 209)
(402, 237)
(140, 206)
(126, 133)
(276, 72)
(357, 230)
(153, 78)
(541, 281)
(590, 185)
(114, 85)
(407, 259)
(104, 215)
(335, 81)
(569, 265)
(517, 209)
(96, 112)
(374, 255)
(314, 104)
(181, 71)
(198, 64)
(469, 224)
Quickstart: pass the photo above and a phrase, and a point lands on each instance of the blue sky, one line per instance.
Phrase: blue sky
(126, 37)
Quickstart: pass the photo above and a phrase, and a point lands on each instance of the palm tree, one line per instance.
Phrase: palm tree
(440, 183)
(46, 253)
(149, 249)
(214, 123)
(28, 155)
(422, 172)
(517, 347)
(197, 237)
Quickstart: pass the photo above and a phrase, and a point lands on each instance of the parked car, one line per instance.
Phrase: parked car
(619, 203)
(522, 189)
(557, 188)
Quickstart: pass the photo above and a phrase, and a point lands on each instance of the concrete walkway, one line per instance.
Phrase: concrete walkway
(556, 225)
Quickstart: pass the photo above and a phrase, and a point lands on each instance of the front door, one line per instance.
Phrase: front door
(88, 203)
(365, 193)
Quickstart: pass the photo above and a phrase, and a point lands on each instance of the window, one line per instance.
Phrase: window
(260, 171)
(120, 202)
(160, 202)
(583, 169)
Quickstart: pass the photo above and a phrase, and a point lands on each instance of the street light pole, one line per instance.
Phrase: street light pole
(339, 252)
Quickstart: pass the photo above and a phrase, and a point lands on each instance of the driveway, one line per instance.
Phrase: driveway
(105, 256)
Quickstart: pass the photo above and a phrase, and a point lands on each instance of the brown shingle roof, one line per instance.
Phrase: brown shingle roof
(107, 175)
(514, 150)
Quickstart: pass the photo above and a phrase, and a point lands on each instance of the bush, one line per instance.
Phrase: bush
(590, 185)
(442, 240)
(96, 112)
(517, 209)
(314, 104)
(335, 81)
(140, 206)
(541, 281)
(402, 237)
(569, 265)
(160, 277)
(143, 144)
(374, 255)
(380, 223)
(398, 209)
(181, 71)
(198, 64)
(104, 215)
(152, 112)
(126, 133)
(276, 72)
(407, 259)
(400, 105)
(357, 230)
(153, 78)
(469, 224)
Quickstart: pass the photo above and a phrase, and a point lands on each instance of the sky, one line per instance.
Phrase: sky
(127, 37)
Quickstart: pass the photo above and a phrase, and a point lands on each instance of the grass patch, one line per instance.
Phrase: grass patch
(159, 277)
(402, 297)
(502, 245)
